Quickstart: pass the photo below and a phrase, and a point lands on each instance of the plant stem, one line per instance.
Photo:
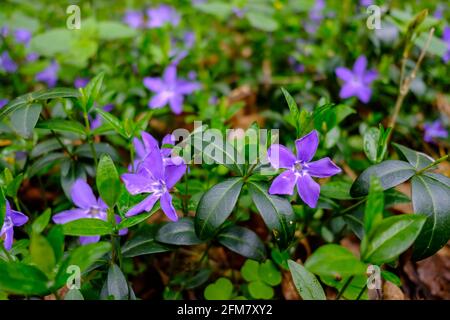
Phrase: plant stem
(405, 81)
(346, 284)
(361, 293)
(89, 138)
(8, 255)
(433, 164)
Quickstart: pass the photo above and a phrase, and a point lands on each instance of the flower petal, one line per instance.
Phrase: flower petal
(9, 237)
(136, 183)
(323, 168)
(139, 147)
(145, 205)
(176, 103)
(364, 94)
(284, 183)
(360, 66)
(370, 76)
(307, 146)
(82, 195)
(18, 218)
(170, 75)
(173, 174)
(150, 143)
(154, 84)
(280, 157)
(158, 101)
(90, 239)
(308, 189)
(122, 232)
(186, 87)
(69, 215)
(344, 74)
(168, 139)
(348, 90)
(167, 207)
(153, 164)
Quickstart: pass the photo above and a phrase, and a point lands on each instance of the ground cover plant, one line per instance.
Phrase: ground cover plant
(224, 150)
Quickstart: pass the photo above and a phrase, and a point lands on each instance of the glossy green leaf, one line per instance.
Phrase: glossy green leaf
(87, 227)
(418, 160)
(41, 222)
(24, 120)
(222, 289)
(113, 122)
(306, 283)
(391, 237)
(269, 273)
(44, 162)
(391, 173)
(242, 241)
(181, 232)
(215, 206)
(108, 181)
(260, 290)
(373, 212)
(336, 190)
(276, 212)
(142, 245)
(250, 270)
(117, 284)
(431, 197)
(41, 253)
(92, 90)
(20, 278)
(62, 126)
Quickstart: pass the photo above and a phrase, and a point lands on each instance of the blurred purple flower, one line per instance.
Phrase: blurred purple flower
(98, 120)
(3, 102)
(315, 16)
(365, 3)
(6, 63)
(434, 130)
(134, 19)
(80, 82)
(4, 31)
(88, 207)
(32, 56)
(239, 12)
(169, 90)
(297, 67)
(357, 81)
(300, 169)
(162, 15)
(157, 179)
(213, 100)
(446, 39)
(12, 219)
(49, 75)
(439, 12)
(22, 36)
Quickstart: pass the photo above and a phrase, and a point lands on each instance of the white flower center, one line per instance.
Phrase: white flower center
(97, 212)
(158, 187)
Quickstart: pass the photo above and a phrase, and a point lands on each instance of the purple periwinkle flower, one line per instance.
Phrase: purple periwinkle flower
(97, 121)
(300, 169)
(88, 207)
(12, 219)
(32, 56)
(357, 81)
(157, 179)
(80, 82)
(365, 3)
(434, 130)
(134, 19)
(239, 12)
(49, 75)
(6, 63)
(169, 90)
(3, 102)
(315, 16)
(446, 39)
(162, 15)
(439, 12)
(22, 36)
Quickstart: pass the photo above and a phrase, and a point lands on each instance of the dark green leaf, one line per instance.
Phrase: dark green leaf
(87, 227)
(142, 245)
(336, 190)
(243, 241)
(418, 160)
(24, 119)
(215, 206)
(62, 125)
(373, 213)
(113, 122)
(306, 283)
(181, 232)
(45, 161)
(134, 220)
(19, 278)
(117, 284)
(108, 182)
(41, 222)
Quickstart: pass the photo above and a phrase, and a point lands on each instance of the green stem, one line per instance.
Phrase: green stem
(346, 284)
(435, 163)
(361, 293)
(89, 138)
(8, 255)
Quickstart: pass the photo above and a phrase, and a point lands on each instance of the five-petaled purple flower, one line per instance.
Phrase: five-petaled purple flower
(157, 179)
(446, 39)
(22, 36)
(12, 219)
(88, 207)
(169, 90)
(357, 81)
(434, 130)
(162, 15)
(49, 75)
(7, 63)
(300, 169)
(134, 19)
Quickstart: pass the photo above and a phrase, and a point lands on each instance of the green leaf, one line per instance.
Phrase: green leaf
(73, 294)
(262, 21)
(306, 283)
(134, 220)
(391, 277)
(260, 290)
(92, 90)
(181, 232)
(41, 222)
(269, 273)
(117, 284)
(371, 138)
(391, 173)
(198, 279)
(111, 30)
(220, 9)
(14, 185)
(45, 161)
(56, 239)
(42, 254)
(108, 182)
(431, 197)
(391, 237)
(24, 119)
(293, 107)
(19, 278)
(51, 42)
(215, 206)
(276, 212)
(222, 289)
(83, 257)
(113, 122)
(250, 270)
(243, 241)
(142, 245)
(62, 125)
(373, 212)
(335, 261)
(336, 190)
(45, 147)
(418, 160)
(87, 227)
